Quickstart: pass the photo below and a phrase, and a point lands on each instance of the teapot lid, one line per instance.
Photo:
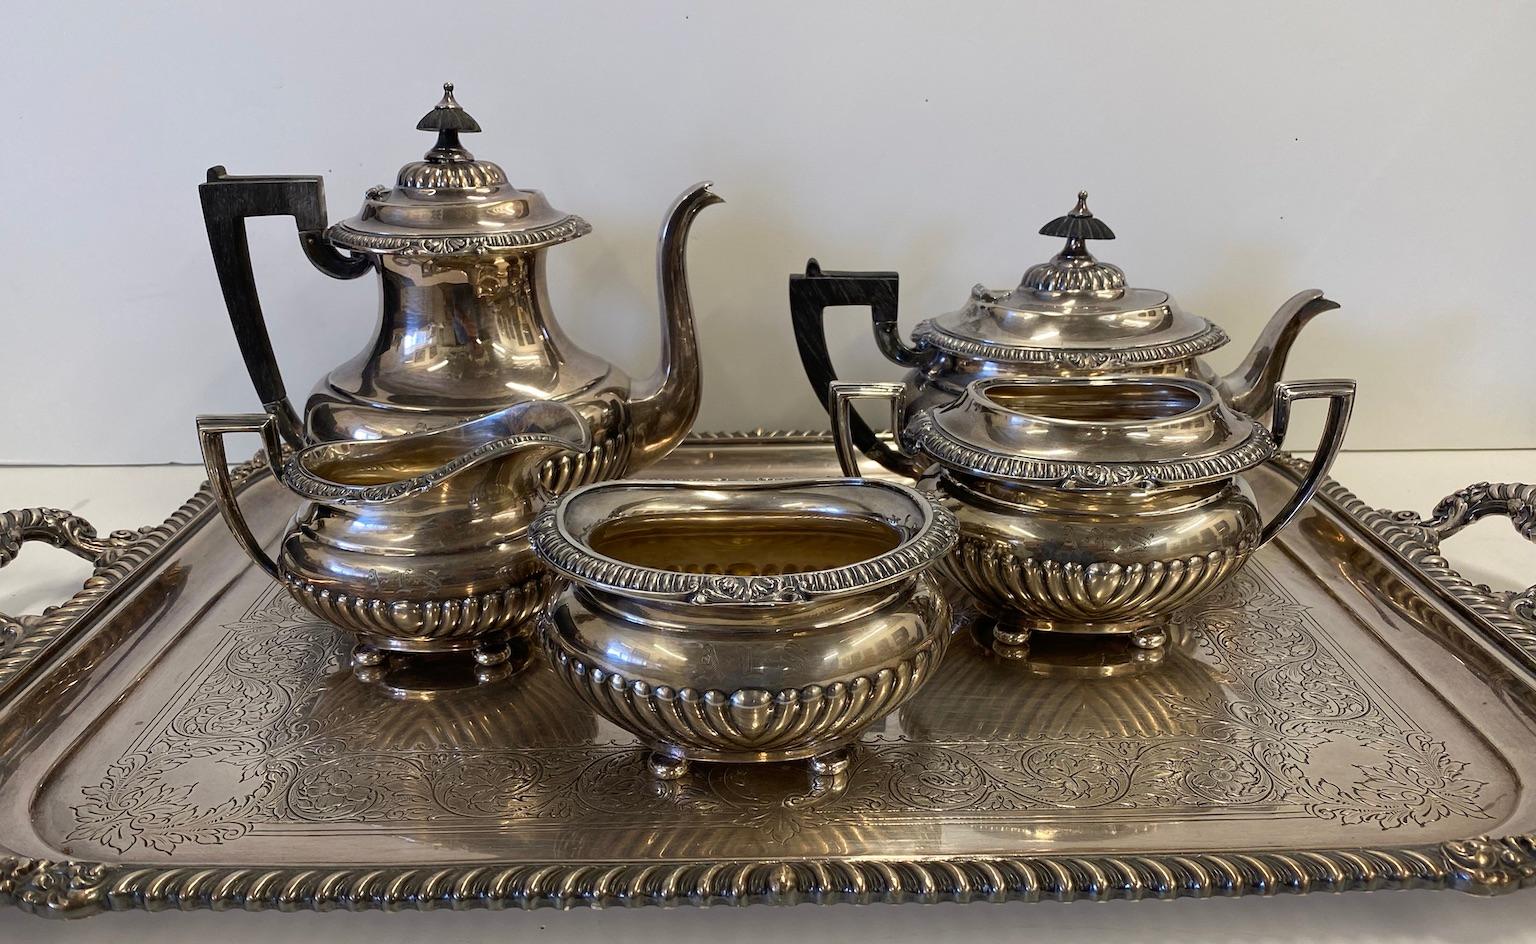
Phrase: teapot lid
(1092, 432)
(450, 202)
(1073, 311)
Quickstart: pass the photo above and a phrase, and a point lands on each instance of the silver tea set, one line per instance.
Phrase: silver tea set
(1072, 467)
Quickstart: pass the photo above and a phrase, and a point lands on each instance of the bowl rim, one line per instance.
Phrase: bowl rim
(570, 555)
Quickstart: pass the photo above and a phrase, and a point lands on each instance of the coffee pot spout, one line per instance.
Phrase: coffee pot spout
(664, 405)
(1250, 388)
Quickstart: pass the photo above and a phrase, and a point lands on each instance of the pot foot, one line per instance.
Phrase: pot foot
(366, 656)
(486, 674)
(832, 763)
(1150, 637)
(1011, 642)
(665, 766)
(493, 651)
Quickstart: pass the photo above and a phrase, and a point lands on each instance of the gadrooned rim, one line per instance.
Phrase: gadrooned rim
(953, 453)
(572, 557)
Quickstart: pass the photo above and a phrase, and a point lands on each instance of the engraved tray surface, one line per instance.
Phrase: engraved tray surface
(1347, 713)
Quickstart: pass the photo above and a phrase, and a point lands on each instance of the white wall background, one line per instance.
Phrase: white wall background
(1381, 151)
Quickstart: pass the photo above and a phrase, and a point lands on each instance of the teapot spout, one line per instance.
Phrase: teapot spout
(664, 405)
(1250, 388)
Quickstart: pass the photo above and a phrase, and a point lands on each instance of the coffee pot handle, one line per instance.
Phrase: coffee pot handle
(211, 431)
(844, 430)
(809, 297)
(227, 202)
(1341, 401)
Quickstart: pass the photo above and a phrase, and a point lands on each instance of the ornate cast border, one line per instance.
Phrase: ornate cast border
(573, 557)
(938, 442)
(931, 334)
(124, 552)
(1481, 865)
(571, 227)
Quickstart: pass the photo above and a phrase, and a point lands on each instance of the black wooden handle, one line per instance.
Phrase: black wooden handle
(809, 297)
(227, 202)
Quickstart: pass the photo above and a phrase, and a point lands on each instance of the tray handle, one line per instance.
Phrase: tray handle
(1513, 500)
(63, 530)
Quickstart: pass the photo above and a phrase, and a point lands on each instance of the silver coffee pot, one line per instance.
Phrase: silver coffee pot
(465, 326)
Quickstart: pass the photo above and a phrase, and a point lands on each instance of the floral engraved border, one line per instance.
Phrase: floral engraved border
(252, 708)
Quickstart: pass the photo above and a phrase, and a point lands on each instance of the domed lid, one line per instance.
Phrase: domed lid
(449, 202)
(1072, 312)
(1099, 432)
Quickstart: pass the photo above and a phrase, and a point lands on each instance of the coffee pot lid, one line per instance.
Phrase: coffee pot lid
(1092, 432)
(1073, 311)
(450, 202)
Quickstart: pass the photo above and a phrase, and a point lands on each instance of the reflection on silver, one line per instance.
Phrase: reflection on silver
(1337, 675)
(1072, 316)
(465, 326)
(746, 622)
(416, 543)
(1099, 506)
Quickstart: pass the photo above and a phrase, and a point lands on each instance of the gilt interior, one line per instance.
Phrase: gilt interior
(744, 545)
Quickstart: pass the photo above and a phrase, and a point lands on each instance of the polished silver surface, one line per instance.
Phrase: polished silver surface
(415, 543)
(746, 622)
(465, 325)
(1348, 713)
(1075, 316)
(1098, 505)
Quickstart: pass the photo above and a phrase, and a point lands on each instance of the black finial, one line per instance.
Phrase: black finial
(1079, 224)
(449, 119)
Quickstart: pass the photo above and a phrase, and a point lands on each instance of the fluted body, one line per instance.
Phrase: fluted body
(1109, 561)
(415, 543)
(745, 622)
(1097, 505)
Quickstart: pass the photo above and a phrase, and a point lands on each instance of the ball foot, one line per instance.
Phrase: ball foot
(486, 674)
(1149, 637)
(665, 766)
(364, 655)
(832, 762)
(493, 651)
(1011, 641)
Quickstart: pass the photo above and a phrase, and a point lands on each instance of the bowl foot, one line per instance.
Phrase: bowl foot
(426, 673)
(365, 655)
(666, 767)
(493, 650)
(832, 763)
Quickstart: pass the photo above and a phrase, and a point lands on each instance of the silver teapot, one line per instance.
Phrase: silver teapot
(1072, 316)
(465, 326)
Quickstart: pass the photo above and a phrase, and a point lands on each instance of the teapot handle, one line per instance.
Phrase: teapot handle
(211, 431)
(1341, 401)
(227, 202)
(846, 423)
(809, 297)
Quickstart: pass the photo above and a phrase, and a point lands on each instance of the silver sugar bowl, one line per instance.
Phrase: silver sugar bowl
(746, 622)
(1098, 505)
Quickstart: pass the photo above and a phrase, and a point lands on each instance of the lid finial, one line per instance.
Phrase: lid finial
(1078, 224)
(1074, 270)
(449, 119)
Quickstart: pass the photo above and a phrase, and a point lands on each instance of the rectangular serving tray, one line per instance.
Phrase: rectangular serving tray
(1347, 714)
